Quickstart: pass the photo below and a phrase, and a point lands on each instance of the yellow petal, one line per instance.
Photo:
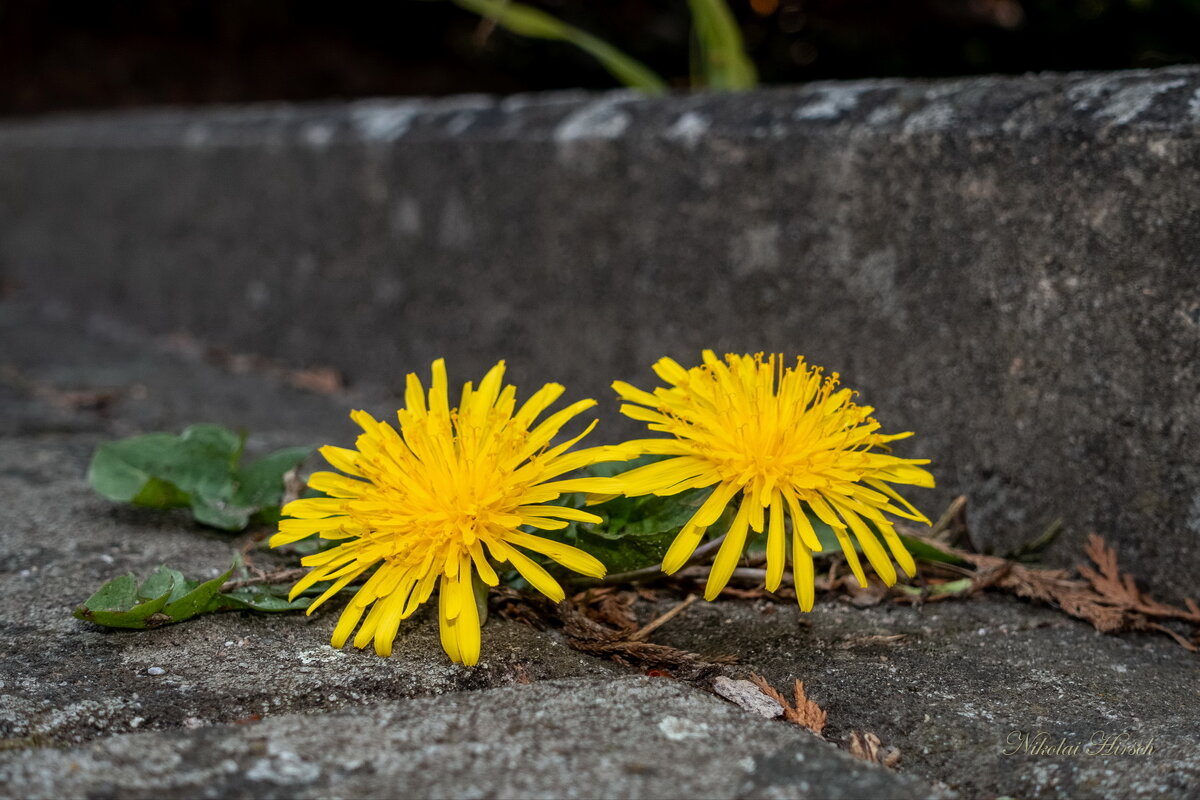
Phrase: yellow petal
(313, 507)
(343, 459)
(682, 547)
(776, 545)
(570, 557)
(351, 614)
(531, 571)
(714, 506)
(465, 627)
(448, 636)
(802, 574)
(870, 545)
(730, 552)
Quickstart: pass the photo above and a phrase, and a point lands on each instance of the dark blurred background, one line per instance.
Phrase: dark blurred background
(82, 54)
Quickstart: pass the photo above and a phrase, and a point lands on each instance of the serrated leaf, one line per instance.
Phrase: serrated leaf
(647, 515)
(627, 553)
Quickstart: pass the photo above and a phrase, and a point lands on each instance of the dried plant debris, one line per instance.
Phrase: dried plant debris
(1105, 597)
(604, 628)
(319, 379)
(101, 401)
(868, 747)
(800, 711)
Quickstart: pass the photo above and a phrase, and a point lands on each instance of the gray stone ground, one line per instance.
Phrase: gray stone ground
(261, 706)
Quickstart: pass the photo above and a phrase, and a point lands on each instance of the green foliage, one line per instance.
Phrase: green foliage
(924, 550)
(199, 469)
(166, 597)
(960, 586)
(636, 531)
(719, 59)
(525, 20)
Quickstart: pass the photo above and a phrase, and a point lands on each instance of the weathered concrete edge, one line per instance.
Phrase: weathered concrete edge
(1101, 104)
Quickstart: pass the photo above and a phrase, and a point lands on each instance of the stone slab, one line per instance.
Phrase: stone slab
(958, 686)
(582, 738)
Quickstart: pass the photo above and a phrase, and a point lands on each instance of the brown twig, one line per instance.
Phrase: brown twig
(267, 578)
(590, 631)
(650, 627)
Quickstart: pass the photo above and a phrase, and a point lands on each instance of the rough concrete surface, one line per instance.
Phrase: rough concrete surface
(239, 705)
(582, 738)
(1006, 266)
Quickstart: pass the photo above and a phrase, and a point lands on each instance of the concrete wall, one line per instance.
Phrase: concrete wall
(1006, 266)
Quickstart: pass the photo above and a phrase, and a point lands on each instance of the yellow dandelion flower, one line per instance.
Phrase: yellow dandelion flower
(440, 500)
(784, 439)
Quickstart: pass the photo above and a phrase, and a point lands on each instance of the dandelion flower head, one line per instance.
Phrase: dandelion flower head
(442, 498)
(783, 440)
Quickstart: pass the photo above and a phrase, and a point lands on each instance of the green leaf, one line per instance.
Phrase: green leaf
(625, 554)
(157, 493)
(164, 581)
(190, 599)
(166, 597)
(117, 594)
(121, 470)
(117, 605)
(525, 20)
(937, 589)
(648, 515)
(635, 532)
(220, 513)
(258, 598)
(198, 469)
(924, 550)
(261, 483)
(723, 63)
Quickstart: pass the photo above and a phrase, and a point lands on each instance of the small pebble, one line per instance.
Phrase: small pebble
(155, 671)
(748, 696)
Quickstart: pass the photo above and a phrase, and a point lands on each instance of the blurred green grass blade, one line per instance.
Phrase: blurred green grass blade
(722, 53)
(525, 20)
